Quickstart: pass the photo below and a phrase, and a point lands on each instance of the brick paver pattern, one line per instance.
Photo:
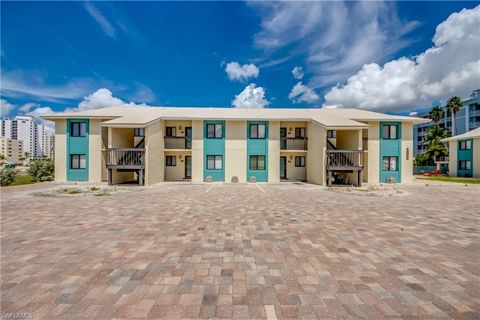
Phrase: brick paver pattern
(178, 251)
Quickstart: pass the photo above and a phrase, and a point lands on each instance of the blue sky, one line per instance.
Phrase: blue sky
(78, 55)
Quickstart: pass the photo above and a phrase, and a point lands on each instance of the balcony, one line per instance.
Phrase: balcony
(441, 159)
(178, 143)
(344, 160)
(126, 158)
(293, 143)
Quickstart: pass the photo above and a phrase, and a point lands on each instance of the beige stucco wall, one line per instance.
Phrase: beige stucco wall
(120, 138)
(476, 157)
(236, 150)
(176, 173)
(349, 139)
(180, 126)
(317, 144)
(295, 173)
(407, 147)
(154, 156)
(292, 125)
(104, 166)
(365, 154)
(452, 158)
(373, 153)
(95, 151)
(273, 152)
(60, 150)
(197, 151)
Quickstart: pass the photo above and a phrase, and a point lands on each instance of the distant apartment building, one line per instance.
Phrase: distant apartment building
(38, 140)
(12, 149)
(467, 119)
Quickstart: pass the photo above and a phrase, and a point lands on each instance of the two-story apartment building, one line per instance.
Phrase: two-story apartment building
(464, 154)
(154, 144)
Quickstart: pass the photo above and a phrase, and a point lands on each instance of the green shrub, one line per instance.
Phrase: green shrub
(41, 170)
(7, 176)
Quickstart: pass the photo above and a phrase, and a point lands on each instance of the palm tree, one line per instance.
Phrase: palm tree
(454, 105)
(436, 114)
(435, 147)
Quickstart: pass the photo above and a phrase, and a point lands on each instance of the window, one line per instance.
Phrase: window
(300, 161)
(299, 132)
(78, 161)
(139, 132)
(465, 144)
(257, 162)
(390, 132)
(78, 129)
(214, 131)
(257, 131)
(390, 163)
(171, 161)
(214, 163)
(171, 131)
(464, 165)
(331, 134)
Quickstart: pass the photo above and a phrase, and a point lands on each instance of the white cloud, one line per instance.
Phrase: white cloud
(102, 98)
(31, 109)
(32, 84)
(450, 67)
(302, 93)
(143, 94)
(28, 106)
(235, 71)
(6, 107)
(251, 97)
(336, 37)
(106, 26)
(297, 73)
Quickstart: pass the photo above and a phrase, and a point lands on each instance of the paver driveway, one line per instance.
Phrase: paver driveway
(242, 251)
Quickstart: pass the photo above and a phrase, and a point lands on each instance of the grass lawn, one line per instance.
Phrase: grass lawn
(451, 179)
(22, 179)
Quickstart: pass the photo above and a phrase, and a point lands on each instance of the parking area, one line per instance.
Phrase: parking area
(242, 251)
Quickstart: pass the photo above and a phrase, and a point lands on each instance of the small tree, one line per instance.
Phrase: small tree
(421, 159)
(41, 170)
(2, 159)
(7, 176)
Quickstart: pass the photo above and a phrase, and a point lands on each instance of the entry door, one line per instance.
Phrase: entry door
(283, 138)
(188, 167)
(283, 167)
(188, 135)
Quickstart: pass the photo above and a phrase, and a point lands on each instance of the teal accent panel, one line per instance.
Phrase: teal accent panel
(77, 145)
(392, 148)
(465, 155)
(257, 147)
(213, 147)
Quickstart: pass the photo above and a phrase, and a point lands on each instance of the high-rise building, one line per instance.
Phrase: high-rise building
(37, 138)
(11, 149)
(468, 118)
